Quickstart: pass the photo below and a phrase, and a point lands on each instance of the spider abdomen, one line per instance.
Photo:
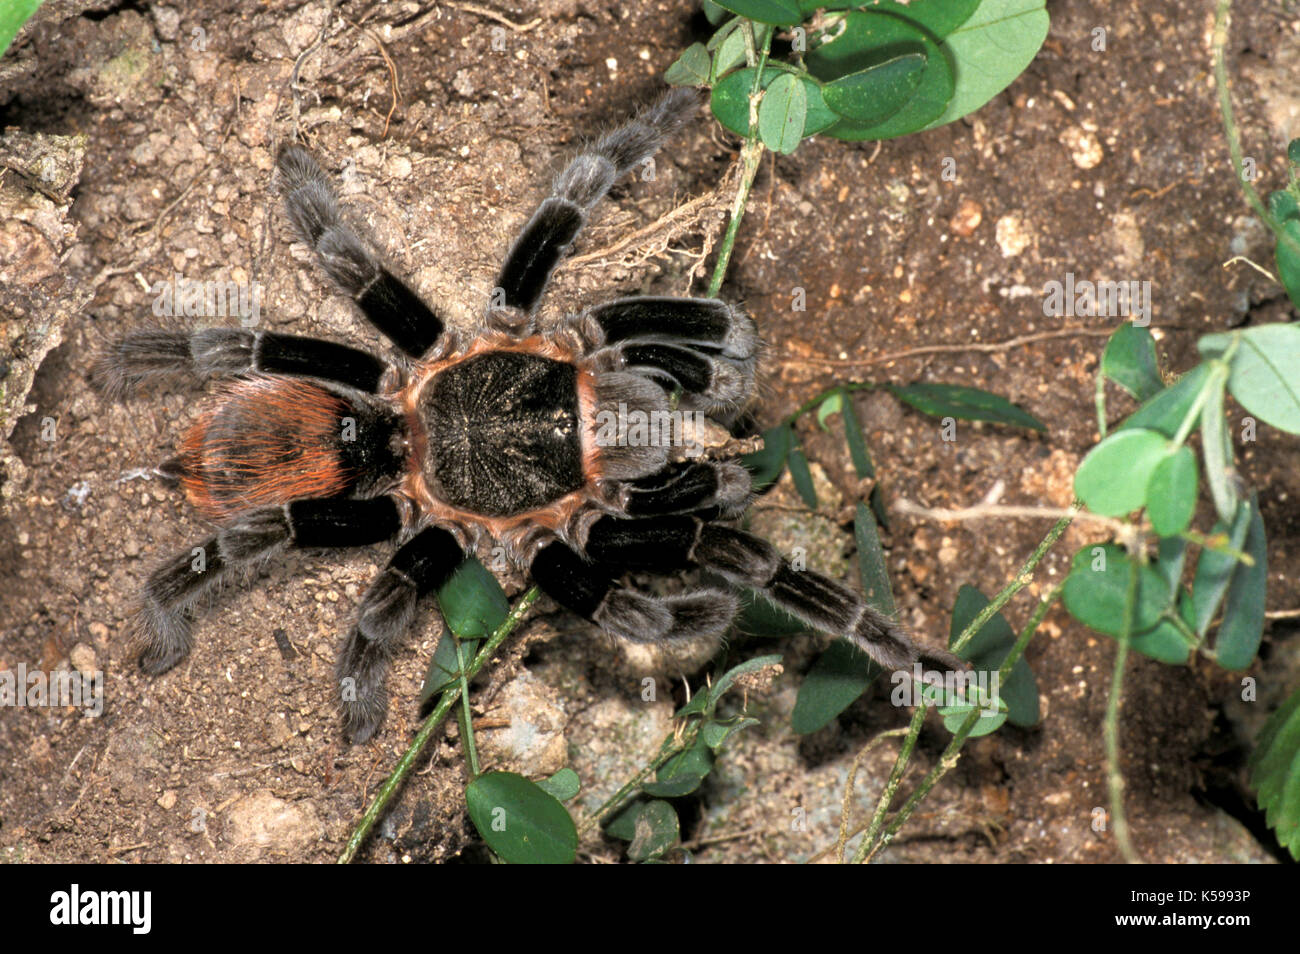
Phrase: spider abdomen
(504, 433)
(266, 440)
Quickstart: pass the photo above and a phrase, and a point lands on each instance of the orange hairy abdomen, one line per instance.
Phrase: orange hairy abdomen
(264, 441)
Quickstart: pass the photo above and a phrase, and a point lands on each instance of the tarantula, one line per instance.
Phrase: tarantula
(310, 443)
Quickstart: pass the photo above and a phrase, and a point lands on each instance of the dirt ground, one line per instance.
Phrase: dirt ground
(1110, 165)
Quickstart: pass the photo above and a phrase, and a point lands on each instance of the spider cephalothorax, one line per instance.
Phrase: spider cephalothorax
(535, 441)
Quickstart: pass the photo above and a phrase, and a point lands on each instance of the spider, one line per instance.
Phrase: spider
(310, 443)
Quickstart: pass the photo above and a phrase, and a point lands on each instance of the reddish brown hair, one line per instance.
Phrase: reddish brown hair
(264, 441)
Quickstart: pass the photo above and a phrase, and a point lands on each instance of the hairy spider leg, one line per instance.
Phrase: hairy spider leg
(163, 625)
(550, 232)
(147, 354)
(386, 615)
(386, 301)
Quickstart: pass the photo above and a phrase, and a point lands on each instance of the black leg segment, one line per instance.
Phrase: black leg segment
(387, 612)
(400, 314)
(163, 625)
(551, 231)
(589, 589)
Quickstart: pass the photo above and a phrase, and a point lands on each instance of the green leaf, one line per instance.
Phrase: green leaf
(874, 94)
(802, 477)
(654, 830)
(472, 601)
(1095, 591)
(939, 17)
(1113, 478)
(766, 465)
(682, 774)
(867, 37)
(776, 12)
(730, 99)
(1216, 445)
(719, 688)
(970, 404)
(712, 12)
(857, 443)
(691, 68)
(781, 114)
(1130, 361)
(520, 821)
(1293, 151)
(1165, 411)
(837, 678)
(444, 667)
(871, 562)
(1288, 262)
(729, 54)
(13, 14)
(832, 405)
(1265, 375)
(1275, 773)
(1214, 570)
(715, 734)
(987, 651)
(1243, 612)
(1171, 493)
(563, 785)
(990, 49)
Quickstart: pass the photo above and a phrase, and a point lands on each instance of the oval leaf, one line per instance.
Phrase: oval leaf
(1265, 375)
(878, 92)
(691, 68)
(1130, 361)
(837, 678)
(1113, 478)
(970, 404)
(520, 821)
(991, 49)
(1095, 590)
(1171, 494)
(776, 12)
(867, 37)
(1243, 613)
(781, 114)
(472, 601)
(730, 100)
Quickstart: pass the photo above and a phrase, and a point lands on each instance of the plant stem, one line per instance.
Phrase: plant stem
(891, 786)
(466, 716)
(949, 758)
(1114, 777)
(448, 699)
(874, 840)
(750, 156)
(671, 746)
(1015, 586)
(1222, 24)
